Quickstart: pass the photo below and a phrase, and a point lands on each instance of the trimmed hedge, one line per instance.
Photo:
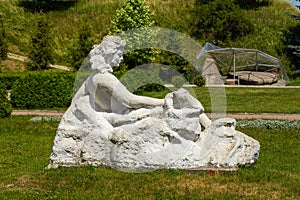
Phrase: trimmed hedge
(8, 79)
(5, 105)
(43, 90)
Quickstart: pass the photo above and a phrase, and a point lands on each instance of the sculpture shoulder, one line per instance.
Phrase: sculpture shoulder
(106, 80)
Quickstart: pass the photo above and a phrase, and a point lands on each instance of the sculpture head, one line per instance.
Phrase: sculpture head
(107, 54)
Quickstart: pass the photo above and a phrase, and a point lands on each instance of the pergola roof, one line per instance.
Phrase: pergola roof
(231, 60)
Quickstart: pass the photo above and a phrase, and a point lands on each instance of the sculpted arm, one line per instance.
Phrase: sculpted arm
(120, 93)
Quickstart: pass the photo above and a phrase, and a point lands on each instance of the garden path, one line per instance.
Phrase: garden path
(231, 115)
(26, 59)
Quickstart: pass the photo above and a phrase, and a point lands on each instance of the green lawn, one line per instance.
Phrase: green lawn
(26, 147)
(246, 100)
(263, 100)
(295, 82)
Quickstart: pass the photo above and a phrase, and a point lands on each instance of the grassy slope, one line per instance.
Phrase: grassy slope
(26, 147)
(271, 23)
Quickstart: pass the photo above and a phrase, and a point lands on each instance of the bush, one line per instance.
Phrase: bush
(40, 54)
(296, 74)
(43, 90)
(5, 105)
(46, 5)
(252, 3)
(139, 80)
(199, 80)
(177, 81)
(151, 87)
(82, 47)
(220, 21)
(134, 14)
(3, 41)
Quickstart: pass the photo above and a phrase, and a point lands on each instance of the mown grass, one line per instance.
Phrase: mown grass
(245, 100)
(295, 82)
(26, 147)
(261, 100)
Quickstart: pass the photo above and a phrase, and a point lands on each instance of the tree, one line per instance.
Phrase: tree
(40, 54)
(241, 3)
(134, 14)
(3, 41)
(252, 3)
(5, 104)
(36, 6)
(220, 21)
(292, 39)
(82, 47)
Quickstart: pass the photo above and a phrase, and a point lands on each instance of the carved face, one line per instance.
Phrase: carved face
(118, 56)
(108, 54)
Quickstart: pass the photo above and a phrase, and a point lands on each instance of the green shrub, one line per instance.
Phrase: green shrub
(138, 80)
(46, 5)
(40, 54)
(134, 14)
(150, 87)
(177, 81)
(3, 40)
(252, 3)
(199, 80)
(220, 21)
(43, 90)
(82, 47)
(296, 74)
(5, 105)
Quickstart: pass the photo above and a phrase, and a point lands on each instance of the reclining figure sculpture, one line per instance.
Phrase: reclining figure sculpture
(106, 125)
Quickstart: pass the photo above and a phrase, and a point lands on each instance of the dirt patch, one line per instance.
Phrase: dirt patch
(12, 66)
(38, 112)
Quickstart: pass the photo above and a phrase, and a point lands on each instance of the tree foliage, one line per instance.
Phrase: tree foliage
(40, 54)
(252, 3)
(82, 47)
(3, 41)
(199, 80)
(5, 105)
(241, 3)
(293, 47)
(46, 5)
(220, 21)
(291, 39)
(134, 14)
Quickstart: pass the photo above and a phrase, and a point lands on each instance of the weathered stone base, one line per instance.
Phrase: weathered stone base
(149, 139)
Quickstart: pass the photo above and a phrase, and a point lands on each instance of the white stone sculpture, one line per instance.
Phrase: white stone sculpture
(106, 125)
